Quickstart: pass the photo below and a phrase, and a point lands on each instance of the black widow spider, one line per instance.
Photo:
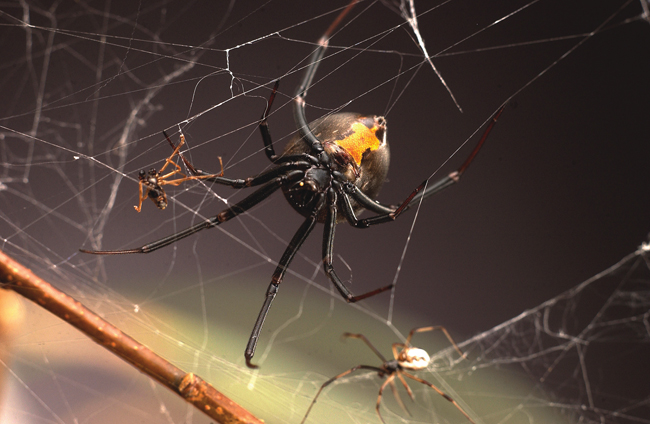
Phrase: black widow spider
(334, 165)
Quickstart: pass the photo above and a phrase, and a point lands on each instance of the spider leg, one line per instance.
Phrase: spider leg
(177, 150)
(367, 342)
(187, 163)
(381, 392)
(262, 178)
(440, 392)
(179, 170)
(301, 92)
(294, 245)
(179, 181)
(174, 153)
(141, 197)
(198, 173)
(268, 141)
(264, 127)
(454, 177)
(406, 386)
(333, 379)
(398, 398)
(351, 216)
(225, 215)
(169, 174)
(328, 247)
(424, 190)
(407, 343)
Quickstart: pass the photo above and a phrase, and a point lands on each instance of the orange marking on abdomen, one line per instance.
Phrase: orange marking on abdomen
(359, 141)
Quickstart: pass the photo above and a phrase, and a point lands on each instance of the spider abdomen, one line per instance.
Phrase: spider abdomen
(413, 358)
(357, 148)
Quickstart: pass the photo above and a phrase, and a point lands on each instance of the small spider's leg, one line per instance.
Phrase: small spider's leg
(328, 247)
(174, 153)
(440, 392)
(141, 197)
(367, 342)
(398, 398)
(179, 181)
(301, 92)
(407, 343)
(397, 345)
(406, 386)
(225, 215)
(454, 177)
(178, 170)
(333, 379)
(162, 178)
(177, 151)
(187, 163)
(294, 245)
(381, 392)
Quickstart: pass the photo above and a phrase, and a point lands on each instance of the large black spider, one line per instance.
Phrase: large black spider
(330, 171)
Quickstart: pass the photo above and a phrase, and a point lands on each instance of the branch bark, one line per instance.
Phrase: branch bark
(189, 386)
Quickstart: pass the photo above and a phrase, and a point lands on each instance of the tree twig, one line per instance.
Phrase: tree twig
(189, 386)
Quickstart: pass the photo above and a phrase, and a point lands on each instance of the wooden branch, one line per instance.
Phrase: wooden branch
(12, 315)
(189, 386)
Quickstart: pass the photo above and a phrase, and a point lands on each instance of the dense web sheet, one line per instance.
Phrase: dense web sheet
(558, 195)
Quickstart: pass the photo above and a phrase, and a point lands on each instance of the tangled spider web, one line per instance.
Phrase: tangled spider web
(558, 195)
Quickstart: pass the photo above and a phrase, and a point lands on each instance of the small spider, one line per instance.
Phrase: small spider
(150, 183)
(329, 172)
(406, 357)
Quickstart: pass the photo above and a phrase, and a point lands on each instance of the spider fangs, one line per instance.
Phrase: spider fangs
(331, 170)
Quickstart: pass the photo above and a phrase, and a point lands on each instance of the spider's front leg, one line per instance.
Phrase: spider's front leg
(294, 163)
(225, 215)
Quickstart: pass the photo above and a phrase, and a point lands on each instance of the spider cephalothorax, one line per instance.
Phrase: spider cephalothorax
(151, 182)
(331, 170)
(357, 153)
